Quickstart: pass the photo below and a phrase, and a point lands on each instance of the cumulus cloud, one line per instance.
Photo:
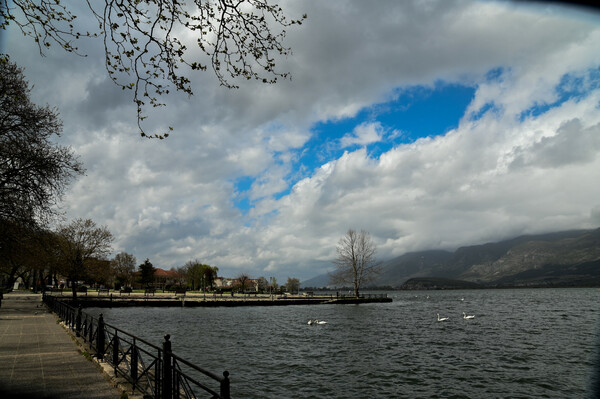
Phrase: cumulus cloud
(523, 159)
(363, 134)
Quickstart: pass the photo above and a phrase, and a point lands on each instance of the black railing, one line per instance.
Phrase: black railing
(151, 370)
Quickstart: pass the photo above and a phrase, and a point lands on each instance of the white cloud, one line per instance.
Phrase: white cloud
(364, 134)
(504, 172)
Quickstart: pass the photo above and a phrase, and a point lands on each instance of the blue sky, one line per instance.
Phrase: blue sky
(430, 125)
(410, 114)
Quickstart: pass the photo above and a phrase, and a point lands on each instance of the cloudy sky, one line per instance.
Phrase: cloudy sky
(429, 124)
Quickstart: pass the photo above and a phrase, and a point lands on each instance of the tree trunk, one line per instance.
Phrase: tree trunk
(12, 277)
(74, 289)
(36, 273)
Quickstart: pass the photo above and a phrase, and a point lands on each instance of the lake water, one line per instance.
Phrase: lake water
(540, 343)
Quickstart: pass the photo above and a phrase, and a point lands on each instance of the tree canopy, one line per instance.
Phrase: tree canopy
(123, 266)
(146, 273)
(145, 49)
(292, 285)
(34, 171)
(199, 275)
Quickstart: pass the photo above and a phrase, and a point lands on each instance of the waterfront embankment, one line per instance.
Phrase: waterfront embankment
(38, 357)
(103, 299)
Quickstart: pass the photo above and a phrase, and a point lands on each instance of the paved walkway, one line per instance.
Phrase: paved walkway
(39, 359)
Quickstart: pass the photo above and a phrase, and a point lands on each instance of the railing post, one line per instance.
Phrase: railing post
(167, 371)
(134, 364)
(100, 338)
(78, 322)
(115, 352)
(90, 329)
(225, 394)
(84, 327)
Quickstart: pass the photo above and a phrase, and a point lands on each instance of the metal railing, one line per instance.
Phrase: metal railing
(369, 296)
(151, 370)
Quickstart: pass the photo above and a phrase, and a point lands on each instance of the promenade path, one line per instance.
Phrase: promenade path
(39, 359)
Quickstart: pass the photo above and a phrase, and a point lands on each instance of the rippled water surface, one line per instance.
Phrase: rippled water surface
(522, 343)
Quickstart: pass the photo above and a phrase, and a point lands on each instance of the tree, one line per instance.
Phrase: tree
(22, 253)
(273, 286)
(243, 281)
(179, 277)
(34, 171)
(80, 245)
(209, 275)
(292, 285)
(99, 271)
(145, 46)
(263, 284)
(146, 273)
(200, 275)
(356, 262)
(123, 266)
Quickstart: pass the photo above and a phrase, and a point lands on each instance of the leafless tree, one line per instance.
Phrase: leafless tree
(123, 266)
(243, 282)
(144, 51)
(79, 243)
(356, 263)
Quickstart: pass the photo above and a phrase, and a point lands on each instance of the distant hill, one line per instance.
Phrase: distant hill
(568, 258)
(432, 283)
(318, 281)
(396, 271)
(555, 259)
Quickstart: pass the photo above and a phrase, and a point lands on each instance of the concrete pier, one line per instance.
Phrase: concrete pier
(38, 357)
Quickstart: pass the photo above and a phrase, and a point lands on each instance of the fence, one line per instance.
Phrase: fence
(368, 296)
(151, 370)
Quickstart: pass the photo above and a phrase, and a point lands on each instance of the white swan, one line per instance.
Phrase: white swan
(468, 317)
(310, 322)
(321, 322)
(442, 318)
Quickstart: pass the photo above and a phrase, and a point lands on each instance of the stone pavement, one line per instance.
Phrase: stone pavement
(39, 359)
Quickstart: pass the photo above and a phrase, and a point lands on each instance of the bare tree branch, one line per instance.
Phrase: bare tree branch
(143, 49)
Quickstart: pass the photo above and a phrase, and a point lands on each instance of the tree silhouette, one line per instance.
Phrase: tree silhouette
(356, 262)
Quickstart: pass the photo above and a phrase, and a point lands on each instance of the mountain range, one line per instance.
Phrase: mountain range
(568, 258)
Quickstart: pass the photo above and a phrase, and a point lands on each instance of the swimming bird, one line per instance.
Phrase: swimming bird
(321, 322)
(442, 318)
(310, 322)
(468, 317)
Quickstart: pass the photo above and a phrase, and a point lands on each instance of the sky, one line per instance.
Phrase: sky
(431, 125)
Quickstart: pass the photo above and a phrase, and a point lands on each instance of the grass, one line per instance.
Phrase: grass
(87, 355)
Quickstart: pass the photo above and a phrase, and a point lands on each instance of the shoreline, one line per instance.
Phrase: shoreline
(104, 300)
